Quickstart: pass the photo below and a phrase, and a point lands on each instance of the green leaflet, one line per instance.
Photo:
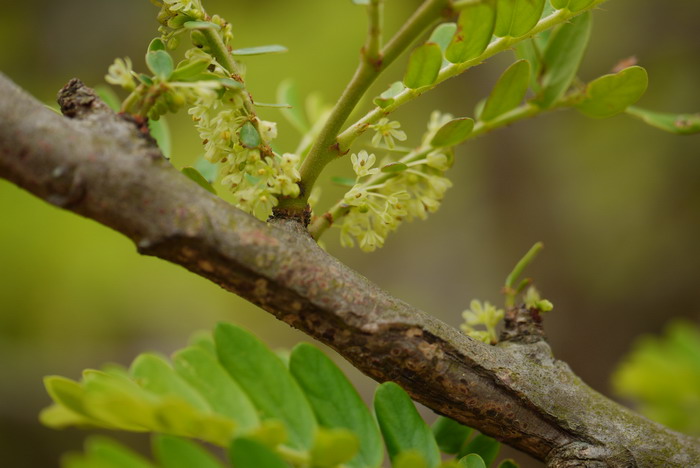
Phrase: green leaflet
(442, 35)
(204, 373)
(101, 452)
(474, 31)
(288, 92)
(453, 132)
(334, 447)
(472, 460)
(410, 459)
(402, 427)
(572, 5)
(175, 452)
(154, 374)
(189, 69)
(250, 138)
(335, 402)
(423, 66)
(680, 124)
(194, 175)
(517, 17)
(484, 446)
(509, 91)
(387, 97)
(450, 435)
(562, 58)
(249, 453)
(160, 63)
(267, 382)
(611, 94)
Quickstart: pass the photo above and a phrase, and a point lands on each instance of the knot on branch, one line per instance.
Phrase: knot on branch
(523, 325)
(302, 217)
(79, 101)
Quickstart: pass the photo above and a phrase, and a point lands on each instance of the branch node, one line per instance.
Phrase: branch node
(523, 325)
(77, 101)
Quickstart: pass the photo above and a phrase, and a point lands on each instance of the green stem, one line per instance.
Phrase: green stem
(375, 13)
(509, 289)
(221, 52)
(325, 149)
(346, 138)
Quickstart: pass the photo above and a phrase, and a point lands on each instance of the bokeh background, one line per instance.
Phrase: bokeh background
(616, 203)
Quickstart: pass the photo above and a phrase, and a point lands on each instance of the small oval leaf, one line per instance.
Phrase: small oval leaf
(450, 435)
(453, 132)
(562, 58)
(472, 461)
(680, 124)
(484, 446)
(387, 97)
(517, 17)
(509, 91)
(189, 69)
(611, 94)
(474, 31)
(250, 138)
(423, 66)
(160, 63)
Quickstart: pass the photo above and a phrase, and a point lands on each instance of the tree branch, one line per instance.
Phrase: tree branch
(104, 167)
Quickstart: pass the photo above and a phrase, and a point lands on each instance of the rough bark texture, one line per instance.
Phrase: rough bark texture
(105, 167)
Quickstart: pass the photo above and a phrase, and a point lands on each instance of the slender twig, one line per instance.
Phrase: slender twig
(372, 49)
(324, 149)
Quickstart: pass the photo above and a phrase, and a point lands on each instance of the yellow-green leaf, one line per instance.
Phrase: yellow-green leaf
(562, 58)
(474, 31)
(611, 94)
(453, 132)
(423, 66)
(509, 91)
(680, 124)
(517, 17)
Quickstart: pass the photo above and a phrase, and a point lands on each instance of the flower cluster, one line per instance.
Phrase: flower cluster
(402, 190)
(485, 315)
(233, 136)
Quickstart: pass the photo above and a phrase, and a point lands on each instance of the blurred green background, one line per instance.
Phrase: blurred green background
(616, 203)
